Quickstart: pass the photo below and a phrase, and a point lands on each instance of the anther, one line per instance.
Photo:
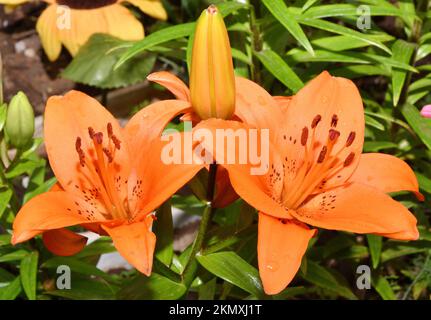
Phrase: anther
(350, 139)
(322, 154)
(304, 136)
(349, 159)
(110, 130)
(98, 137)
(116, 141)
(333, 134)
(316, 121)
(108, 154)
(80, 152)
(334, 121)
(91, 132)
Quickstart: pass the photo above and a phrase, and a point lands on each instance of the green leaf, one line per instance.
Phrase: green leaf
(322, 277)
(164, 230)
(339, 29)
(77, 266)
(280, 11)
(5, 196)
(396, 249)
(402, 52)
(375, 146)
(227, 8)
(28, 273)
(374, 123)
(383, 287)
(280, 69)
(420, 125)
(207, 290)
(14, 256)
(94, 64)
(11, 291)
(46, 186)
(158, 37)
(342, 43)
(155, 287)
(233, 269)
(342, 10)
(5, 239)
(424, 182)
(375, 247)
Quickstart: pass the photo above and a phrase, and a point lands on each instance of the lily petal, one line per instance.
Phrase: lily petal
(136, 243)
(281, 246)
(172, 83)
(49, 36)
(386, 173)
(63, 242)
(49, 211)
(361, 209)
(153, 8)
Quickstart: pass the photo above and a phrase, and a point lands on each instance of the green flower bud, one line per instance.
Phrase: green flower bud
(19, 125)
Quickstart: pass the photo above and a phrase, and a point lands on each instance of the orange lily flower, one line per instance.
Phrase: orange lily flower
(318, 176)
(110, 179)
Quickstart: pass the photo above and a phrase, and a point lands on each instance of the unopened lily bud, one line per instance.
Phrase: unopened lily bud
(19, 125)
(212, 80)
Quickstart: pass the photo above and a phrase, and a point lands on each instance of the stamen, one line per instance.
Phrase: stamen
(316, 121)
(350, 139)
(333, 134)
(109, 129)
(108, 155)
(322, 154)
(304, 136)
(334, 121)
(81, 153)
(349, 159)
(91, 132)
(116, 141)
(98, 137)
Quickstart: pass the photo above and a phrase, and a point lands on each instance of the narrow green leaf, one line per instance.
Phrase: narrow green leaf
(280, 69)
(280, 11)
(420, 125)
(28, 273)
(383, 287)
(342, 10)
(308, 4)
(233, 269)
(11, 291)
(373, 123)
(207, 290)
(342, 43)
(164, 230)
(402, 51)
(5, 196)
(155, 287)
(375, 247)
(14, 256)
(321, 277)
(376, 146)
(339, 29)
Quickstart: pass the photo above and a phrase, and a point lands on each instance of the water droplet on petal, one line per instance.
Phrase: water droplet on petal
(272, 266)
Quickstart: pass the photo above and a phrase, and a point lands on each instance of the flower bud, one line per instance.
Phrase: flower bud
(426, 111)
(212, 80)
(19, 125)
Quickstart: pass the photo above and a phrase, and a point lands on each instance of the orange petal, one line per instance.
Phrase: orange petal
(49, 36)
(327, 96)
(150, 122)
(63, 242)
(280, 248)
(386, 173)
(136, 243)
(255, 188)
(283, 102)
(225, 194)
(67, 118)
(358, 208)
(255, 106)
(172, 83)
(48, 211)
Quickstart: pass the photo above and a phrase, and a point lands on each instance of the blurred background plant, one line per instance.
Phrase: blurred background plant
(384, 46)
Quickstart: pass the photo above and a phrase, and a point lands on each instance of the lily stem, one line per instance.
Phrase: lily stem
(256, 43)
(191, 267)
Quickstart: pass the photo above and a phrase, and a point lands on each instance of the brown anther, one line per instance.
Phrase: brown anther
(98, 137)
(322, 154)
(91, 132)
(333, 134)
(80, 152)
(304, 136)
(350, 139)
(334, 121)
(116, 141)
(110, 130)
(108, 155)
(316, 121)
(349, 159)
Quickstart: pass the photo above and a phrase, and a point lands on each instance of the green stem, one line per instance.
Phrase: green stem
(417, 278)
(191, 267)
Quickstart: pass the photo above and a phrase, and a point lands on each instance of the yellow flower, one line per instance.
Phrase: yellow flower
(73, 22)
